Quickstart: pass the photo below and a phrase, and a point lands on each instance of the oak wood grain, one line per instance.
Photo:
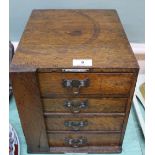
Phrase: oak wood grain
(88, 149)
(100, 83)
(53, 38)
(94, 105)
(94, 122)
(26, 92)
(50, 42)
(128, 108)
(111, 139)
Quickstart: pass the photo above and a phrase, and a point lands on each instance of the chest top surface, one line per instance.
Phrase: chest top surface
(53, 38)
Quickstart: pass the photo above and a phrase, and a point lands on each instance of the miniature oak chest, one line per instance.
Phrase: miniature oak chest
(73, 76)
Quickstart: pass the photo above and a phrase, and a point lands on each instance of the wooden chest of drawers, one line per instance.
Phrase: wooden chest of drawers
(73, 79)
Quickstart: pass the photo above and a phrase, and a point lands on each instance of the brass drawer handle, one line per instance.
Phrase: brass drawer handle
(75, 84)
(76, 106)
(76, 142)
(75, 125)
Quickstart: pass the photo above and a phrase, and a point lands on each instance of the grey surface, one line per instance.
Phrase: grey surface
(131, 13)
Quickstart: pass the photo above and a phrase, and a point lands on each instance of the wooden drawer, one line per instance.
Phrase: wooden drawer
(74, 55)
(52, 84)
(84, 139)
(84, 122)
(91, 105)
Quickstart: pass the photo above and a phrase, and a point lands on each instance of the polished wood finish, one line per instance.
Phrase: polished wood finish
(95, 105)
(53, 38)
(94, 122)
(44, 59)
(100, 83)
(92, 139)
(128, 107)
(26, 92)
(88, 149)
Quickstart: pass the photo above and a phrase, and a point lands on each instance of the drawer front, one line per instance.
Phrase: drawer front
(78, 105)
(84, 122)
(52, 84)
(80, 139)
